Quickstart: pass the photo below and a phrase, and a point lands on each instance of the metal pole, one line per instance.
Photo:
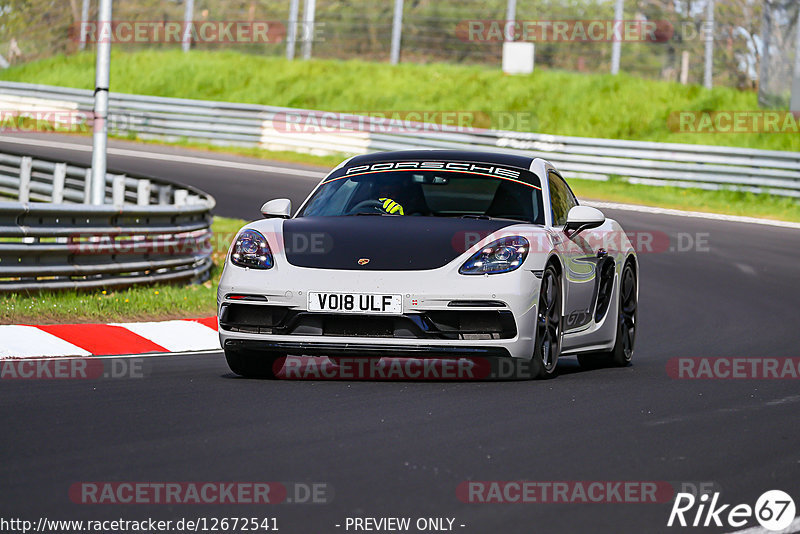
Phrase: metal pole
(291, 34)
(100, 134)
(709, 36)
(397, 31)
(684, 67)
(795, 103)
(511, 18)
(83, 21)
(188, 15)
(616, 45)
(309, 7)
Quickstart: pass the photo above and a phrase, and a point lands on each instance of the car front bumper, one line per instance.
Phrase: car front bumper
(422, 292)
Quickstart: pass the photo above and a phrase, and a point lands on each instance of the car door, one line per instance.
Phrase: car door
(579, 255)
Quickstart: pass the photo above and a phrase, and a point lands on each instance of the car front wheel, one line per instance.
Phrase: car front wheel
(549, 326)
(254, 364)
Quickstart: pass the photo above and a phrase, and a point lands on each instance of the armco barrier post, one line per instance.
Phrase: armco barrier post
(397, 31)
(616, 45)
(84, 20)
(100, 134)
(795, 103)
(309, 13)
(511, 17)
(291, 33)
(709, 37)
(188, 15)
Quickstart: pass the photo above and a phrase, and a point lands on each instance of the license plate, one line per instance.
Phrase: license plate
(355, 303)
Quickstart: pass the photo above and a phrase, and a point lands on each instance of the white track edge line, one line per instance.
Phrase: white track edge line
(125, 356)
(168, 157)
(696, 214)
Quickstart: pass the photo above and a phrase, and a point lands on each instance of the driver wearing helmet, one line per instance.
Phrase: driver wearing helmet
(388, 194)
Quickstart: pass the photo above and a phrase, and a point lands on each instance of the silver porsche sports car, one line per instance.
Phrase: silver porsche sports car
(431, 254)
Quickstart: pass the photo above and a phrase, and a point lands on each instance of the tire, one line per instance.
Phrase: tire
(622, 353)
(549, 327)
(253, 364)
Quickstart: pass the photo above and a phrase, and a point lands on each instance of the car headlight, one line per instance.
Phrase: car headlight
(501, 256)
(251, 250)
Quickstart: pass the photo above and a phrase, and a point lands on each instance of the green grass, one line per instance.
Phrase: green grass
(153, 302)
(554, 102)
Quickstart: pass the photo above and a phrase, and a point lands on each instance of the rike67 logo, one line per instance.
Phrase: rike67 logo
(774, 510)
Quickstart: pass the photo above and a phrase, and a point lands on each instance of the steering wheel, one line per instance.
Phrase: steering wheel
(377, 205)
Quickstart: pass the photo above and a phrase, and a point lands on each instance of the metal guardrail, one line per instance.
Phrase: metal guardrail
(150, 230)
(683, 165)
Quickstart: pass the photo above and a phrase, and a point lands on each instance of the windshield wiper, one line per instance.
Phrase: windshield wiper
(489, 218)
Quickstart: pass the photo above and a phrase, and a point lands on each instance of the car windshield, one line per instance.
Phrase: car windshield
(431, 193)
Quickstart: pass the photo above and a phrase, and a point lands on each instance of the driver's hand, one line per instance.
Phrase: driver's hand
(391, 207)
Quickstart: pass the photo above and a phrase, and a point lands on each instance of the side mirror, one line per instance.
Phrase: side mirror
(280, 207)
(582, 218)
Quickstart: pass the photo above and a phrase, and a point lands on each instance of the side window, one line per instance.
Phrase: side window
(571, 199)
(561, 199)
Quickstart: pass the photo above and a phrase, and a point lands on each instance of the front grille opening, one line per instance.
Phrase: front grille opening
(474, 324)
(346, 325)
(252, 319)
(359, 326)
(430, 325)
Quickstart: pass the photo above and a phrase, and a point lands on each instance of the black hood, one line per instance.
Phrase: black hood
(390, 243)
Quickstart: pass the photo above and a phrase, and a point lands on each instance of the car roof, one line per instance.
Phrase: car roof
(473, 156)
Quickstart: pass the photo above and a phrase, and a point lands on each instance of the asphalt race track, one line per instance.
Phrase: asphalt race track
(401, 448)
